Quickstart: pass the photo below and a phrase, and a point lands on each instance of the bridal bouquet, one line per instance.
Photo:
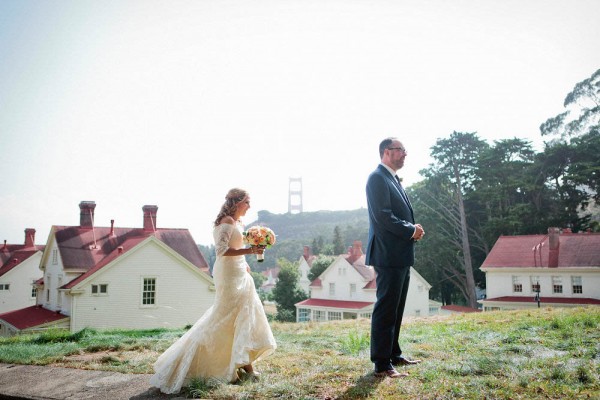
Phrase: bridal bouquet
(259, 236)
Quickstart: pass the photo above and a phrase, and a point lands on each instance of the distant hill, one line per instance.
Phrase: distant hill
(294, 231)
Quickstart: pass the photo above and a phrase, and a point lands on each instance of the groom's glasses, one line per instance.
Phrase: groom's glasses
(397, 148)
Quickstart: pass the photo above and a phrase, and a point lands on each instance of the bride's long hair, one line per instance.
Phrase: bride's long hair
(233, 197)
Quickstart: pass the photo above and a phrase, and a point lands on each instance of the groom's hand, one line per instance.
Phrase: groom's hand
(419, 233)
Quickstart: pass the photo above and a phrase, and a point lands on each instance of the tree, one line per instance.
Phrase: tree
(576, 134)
(583, 116)
(319, 265)
(338, 241)
(286, 292)
(438, 257)
(317, 245)
(456, 158)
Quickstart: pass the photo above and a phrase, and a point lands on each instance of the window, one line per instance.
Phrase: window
(332, 289)
(320, 315)
(4, 286)
(55, 256)
(420, 288)
(517, 285)
(335, 315)
(101, 289)
(535, 284)
(303, 315)
(577, 285)
(149, 291)
(365, 315)
(557, 284)
(34, 292)
(352, 290)
(417, 313)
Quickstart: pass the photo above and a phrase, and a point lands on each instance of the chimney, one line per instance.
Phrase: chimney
(29, 237)
(554, 245)
(5, 247)
(307, 252)
(86, 216)
(112, 228)
(150, 218)
(357, 248)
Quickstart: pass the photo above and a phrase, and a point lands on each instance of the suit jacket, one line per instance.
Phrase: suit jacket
(391, 222)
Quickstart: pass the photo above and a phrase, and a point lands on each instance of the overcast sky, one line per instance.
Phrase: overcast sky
(173, 103)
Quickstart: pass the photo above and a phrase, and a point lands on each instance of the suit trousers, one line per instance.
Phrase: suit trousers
(392, 288)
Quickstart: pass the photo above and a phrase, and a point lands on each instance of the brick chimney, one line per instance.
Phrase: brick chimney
(356, 249)
(86, 216)
(307, 252)
(150, 218)
(554, 245)
(29, 237)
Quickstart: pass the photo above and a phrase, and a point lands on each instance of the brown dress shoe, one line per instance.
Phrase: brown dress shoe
(404, 361)
(390, 373)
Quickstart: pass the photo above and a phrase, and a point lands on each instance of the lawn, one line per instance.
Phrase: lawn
(528, 354)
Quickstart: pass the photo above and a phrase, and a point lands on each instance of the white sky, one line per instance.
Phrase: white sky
(172, 103)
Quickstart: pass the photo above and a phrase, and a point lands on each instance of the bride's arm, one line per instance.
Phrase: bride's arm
(222, 245)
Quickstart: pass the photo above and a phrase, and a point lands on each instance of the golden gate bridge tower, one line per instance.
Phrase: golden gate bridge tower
(295, 196)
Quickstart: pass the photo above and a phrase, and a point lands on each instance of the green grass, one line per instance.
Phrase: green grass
(529, 354)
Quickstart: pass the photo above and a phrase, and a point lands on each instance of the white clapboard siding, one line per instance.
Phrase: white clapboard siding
(20, 280)
(183, 293)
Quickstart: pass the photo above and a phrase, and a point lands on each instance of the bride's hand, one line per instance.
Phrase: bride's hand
(256, 249)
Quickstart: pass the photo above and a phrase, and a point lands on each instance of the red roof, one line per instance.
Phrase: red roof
(13, 255)
(355, 305)
(91, 249)
(548, 300)
(575, 250)
(462, 309)
(31, 316)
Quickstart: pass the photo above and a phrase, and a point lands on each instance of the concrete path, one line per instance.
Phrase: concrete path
(36, 382)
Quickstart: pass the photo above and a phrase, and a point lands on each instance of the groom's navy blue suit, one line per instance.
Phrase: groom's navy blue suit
(391, 252)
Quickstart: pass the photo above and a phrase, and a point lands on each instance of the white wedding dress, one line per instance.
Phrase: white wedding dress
(234, 332)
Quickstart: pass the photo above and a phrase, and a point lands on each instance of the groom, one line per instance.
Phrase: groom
(392, 236)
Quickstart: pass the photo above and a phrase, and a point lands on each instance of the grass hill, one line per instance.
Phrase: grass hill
(527, 354)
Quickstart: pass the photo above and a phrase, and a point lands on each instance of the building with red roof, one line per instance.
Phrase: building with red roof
(559, 269)
(347, 290)
(19, 269)
(110, 277)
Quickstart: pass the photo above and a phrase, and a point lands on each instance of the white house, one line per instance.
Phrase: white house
(19, 270)
(271, 274)
(107, 277)
(347, 290)
(560, 269)
(304, 265)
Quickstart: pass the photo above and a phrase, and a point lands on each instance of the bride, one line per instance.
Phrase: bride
(234, 333)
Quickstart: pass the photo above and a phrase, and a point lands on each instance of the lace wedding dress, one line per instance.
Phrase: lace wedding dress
(232, 333)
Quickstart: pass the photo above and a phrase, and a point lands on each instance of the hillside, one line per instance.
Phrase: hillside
(548, 353)
(294, 231)
(297, 230)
